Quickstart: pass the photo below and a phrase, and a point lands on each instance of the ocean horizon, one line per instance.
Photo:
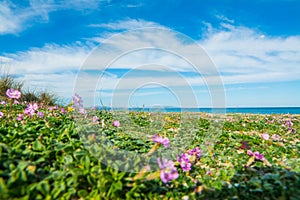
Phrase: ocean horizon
(243, 110)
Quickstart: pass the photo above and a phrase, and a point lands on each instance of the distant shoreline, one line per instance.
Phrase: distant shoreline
(241, 110)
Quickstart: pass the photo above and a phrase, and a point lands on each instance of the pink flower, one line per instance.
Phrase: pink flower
(250, 153)
(13, 94)
(168, 171)
(31, 108)
(95, 119)
(265, 136)
(63, 110)
(116, 123)
(77, 100)
(16, 102)
(257, 155)
(1, 114)
(52, 108)
(196, 151)
(20, 117)
(289, 123)
(275, 137)
(291, 129)
(185, 162)
(41, 114)
(2, 102)
(158, 139)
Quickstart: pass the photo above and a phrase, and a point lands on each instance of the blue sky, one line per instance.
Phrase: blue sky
(248, 51)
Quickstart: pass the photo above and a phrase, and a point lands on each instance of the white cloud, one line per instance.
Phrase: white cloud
(15, 18)
(127, 24)
(224, 19)
(241, 55)
(9, 22)
(151, 46)
(61, 84)
(251, 57)
(49, 59)
(52, 67)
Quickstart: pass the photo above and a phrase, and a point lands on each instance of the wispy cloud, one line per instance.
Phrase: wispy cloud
(15, 18)
(9, 22)
(240, 54)
(49, 59)
(53, 67)
(126, 24)
(253, 56)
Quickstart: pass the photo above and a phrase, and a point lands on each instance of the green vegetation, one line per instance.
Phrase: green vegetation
(8, 81)
(52, 152)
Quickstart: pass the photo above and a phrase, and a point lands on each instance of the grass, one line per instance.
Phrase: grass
(8, 81)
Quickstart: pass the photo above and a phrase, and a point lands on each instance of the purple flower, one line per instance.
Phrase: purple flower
(275, 137)
(16, 102)
(185, 162)
(196, 151)
(1, 114)
(258, 156)
(53, 108)
(116, 123)
(158, 139)
(250, 153)
(168, 171)
(208, 172)
(63, 110)
(13, 94)
(265, 136)
(95, 119)
(20, 117)
(291, 129)
(289, 123)
(41, 114)
(31, 108)
(77, 100)
(2, 102)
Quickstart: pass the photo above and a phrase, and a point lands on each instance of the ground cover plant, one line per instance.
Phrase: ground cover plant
(54, 152)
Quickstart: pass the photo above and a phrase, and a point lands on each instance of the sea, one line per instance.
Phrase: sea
(245, 110)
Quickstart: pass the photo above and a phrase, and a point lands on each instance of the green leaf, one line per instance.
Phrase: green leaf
(87, 162)
(57, 175)
(79, 153)
(82, 193)
(44, 187)
(55, 192)
(118, 185)
(68, 159)
(38, 146)
(23, 176)
(14, 176)
(3, 189)
(91, 180)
